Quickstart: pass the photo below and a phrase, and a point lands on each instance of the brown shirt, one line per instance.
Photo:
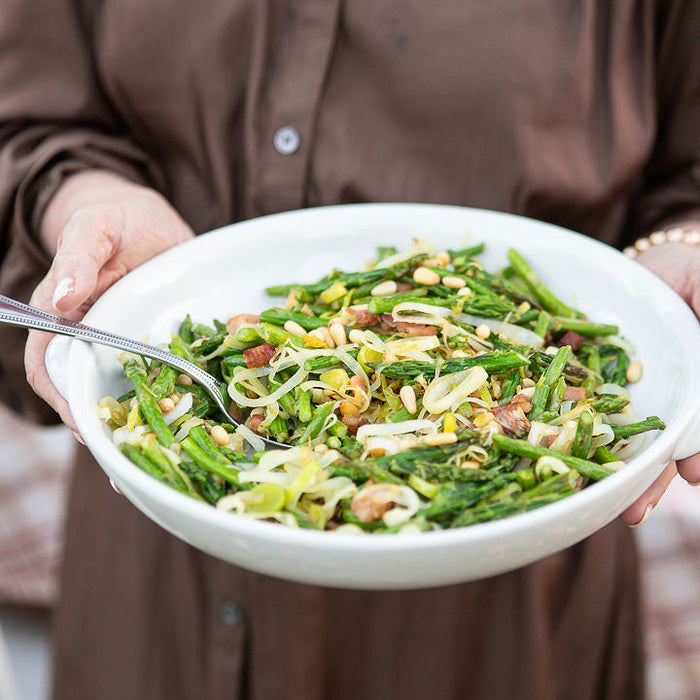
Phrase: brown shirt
(579, 112)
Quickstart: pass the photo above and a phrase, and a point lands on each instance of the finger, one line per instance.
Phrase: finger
(39, 379)
(640, 510)
(689, 469)
(677, 264)
(84, 248)
(35, 355)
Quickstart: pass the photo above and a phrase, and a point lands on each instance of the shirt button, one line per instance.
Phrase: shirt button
(286, 140)
(230, 613)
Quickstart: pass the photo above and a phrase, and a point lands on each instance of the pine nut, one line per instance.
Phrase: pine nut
(444, 258)
(337, 331)
(294, 328)
(219, 435)
(440, 439)
(386, 287)
(464, 292)
(358, 382)
(483, 419)
(166, 405)
(320, 335)
(347, 408)
(408, 398)
(458, 353)
(357, 336)
(483, 331)
(470, 464)
(408, 442)
(327, 337)
(634, 371)
(424, 276)
(454, 282)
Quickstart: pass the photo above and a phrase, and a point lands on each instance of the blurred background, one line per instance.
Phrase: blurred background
(34, 474)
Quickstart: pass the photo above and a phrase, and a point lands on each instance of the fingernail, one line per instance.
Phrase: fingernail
(63, 288)
(77, 437)
(646, 515)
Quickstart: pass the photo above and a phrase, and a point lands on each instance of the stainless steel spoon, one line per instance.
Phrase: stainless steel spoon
(18, 314)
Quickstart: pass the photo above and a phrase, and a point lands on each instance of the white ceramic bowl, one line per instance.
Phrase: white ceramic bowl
(225, 271)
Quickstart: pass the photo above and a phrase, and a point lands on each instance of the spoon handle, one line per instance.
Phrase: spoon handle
(19, 314)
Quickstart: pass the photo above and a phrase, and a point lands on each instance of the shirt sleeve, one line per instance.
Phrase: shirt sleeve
(670, 191)
(54, 120)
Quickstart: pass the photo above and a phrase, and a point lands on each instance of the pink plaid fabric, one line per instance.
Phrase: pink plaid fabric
(34, 469)
(670, 542)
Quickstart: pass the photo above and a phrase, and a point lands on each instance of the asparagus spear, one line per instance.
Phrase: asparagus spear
(543, 294)
(582, 327)
(148, 407)
(584, 435)
(625, 431)
(493, 363)
(609, 403)
(278, 317)
(314, 426)
(603, 455)
(350, 280)
(547, 381)
(523, 448)
(216, 464)
(546, 492)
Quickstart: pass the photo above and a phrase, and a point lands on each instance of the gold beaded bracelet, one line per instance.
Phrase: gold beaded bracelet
(671, 235)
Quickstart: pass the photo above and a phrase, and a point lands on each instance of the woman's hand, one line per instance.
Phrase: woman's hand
(678, 264)
(98, 226)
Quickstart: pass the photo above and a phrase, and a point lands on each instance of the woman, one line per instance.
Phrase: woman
(128, 127)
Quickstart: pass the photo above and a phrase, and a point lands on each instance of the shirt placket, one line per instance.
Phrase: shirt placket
(291, 51)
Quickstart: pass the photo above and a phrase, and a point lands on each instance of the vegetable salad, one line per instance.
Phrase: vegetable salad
(422, 392)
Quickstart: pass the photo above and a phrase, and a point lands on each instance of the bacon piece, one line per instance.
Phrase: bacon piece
(574, 393)
(240, 320)
(353, 422)
(415, 329)
(366, 319)
(571, 338)
(386, 324)
(254, 422)
(512, 419)
(259, 355)
(372, 501)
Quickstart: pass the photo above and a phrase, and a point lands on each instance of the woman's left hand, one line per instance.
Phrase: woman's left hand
(678, 264)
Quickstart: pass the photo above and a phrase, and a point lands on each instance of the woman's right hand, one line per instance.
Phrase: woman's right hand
(98, 226)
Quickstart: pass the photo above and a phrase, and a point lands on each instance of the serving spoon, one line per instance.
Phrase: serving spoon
(17, 314)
